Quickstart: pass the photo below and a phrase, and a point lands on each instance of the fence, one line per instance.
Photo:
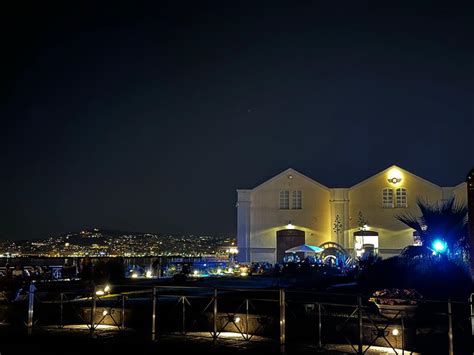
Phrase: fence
(318, 320)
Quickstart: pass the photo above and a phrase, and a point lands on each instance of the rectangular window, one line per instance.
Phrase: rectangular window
(402, 198)
(297, 200)
(387, 198)
(284, 200)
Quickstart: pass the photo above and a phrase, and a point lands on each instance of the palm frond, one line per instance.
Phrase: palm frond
(446, 220)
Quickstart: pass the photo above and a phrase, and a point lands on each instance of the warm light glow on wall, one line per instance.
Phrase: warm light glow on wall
(394, 176)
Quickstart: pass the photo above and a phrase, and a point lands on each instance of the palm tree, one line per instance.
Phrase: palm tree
(445, 221)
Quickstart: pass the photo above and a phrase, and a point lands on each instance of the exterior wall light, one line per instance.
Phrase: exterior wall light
(289, 225)
(394, 176)
(394, 180)
(232, 318)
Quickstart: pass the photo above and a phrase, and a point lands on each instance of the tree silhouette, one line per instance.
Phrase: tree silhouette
(337, 228)
(362, 221)
(446, 221)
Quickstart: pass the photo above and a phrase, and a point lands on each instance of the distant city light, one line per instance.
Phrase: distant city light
(100, 293)
(97, 243)
(134, 275)
(149, 274)
(107, 288)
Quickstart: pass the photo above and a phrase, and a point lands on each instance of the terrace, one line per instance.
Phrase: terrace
(225, 318)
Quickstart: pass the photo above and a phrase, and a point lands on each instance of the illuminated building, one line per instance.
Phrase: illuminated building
(291, 209)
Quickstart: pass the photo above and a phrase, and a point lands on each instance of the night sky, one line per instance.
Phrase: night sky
(148, 118)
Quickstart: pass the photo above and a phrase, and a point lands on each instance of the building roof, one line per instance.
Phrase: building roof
(394, 167)
(293, 172)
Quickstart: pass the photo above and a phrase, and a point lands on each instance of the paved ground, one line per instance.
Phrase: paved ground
(106, 341)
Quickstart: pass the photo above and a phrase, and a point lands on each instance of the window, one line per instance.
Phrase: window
(402, 198)
(297, 200)
(284, 200)
(387, 198)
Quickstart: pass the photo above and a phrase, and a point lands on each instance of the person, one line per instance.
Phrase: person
(156, 267)
(86, 269)
(115, 270)
(8, 271)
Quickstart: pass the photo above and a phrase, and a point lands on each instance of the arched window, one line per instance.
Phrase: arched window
(387, 198)
(402, 198)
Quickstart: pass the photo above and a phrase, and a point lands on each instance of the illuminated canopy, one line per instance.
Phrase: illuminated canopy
(305, 248)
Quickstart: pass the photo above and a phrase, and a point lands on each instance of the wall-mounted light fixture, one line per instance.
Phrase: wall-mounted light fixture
(394, 180)
(394, 176)
(289, 225)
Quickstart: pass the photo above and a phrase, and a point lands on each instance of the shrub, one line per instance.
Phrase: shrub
(434, 278)
(396, 296)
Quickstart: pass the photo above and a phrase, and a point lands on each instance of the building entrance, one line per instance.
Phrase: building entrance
(286, 239)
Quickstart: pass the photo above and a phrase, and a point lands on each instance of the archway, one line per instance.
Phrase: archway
(286, 239)
(334, 254)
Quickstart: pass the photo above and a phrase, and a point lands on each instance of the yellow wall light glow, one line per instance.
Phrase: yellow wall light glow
(394, 176)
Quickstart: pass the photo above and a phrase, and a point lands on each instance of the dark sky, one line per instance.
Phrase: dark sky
(147, 118)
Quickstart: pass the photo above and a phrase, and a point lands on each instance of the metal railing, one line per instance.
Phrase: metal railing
(251, 313)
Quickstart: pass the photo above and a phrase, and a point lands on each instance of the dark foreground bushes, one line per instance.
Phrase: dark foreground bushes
(434, 278)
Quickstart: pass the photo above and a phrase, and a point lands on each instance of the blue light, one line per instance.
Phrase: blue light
(439, 246)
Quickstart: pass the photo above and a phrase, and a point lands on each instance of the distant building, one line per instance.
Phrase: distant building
(292, 209)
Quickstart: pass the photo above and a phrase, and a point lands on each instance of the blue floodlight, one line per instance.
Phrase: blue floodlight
(439, 246)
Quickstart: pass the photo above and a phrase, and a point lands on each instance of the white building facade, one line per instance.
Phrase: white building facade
(291, 209)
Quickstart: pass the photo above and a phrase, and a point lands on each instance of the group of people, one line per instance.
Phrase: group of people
(19, 273)
(295, 258)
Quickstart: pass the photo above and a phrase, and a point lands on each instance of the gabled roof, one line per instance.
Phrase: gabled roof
(461, 185)
(293, 172)
(391, 167)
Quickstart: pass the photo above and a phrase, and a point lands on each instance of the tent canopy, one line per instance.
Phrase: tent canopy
(305, 248)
